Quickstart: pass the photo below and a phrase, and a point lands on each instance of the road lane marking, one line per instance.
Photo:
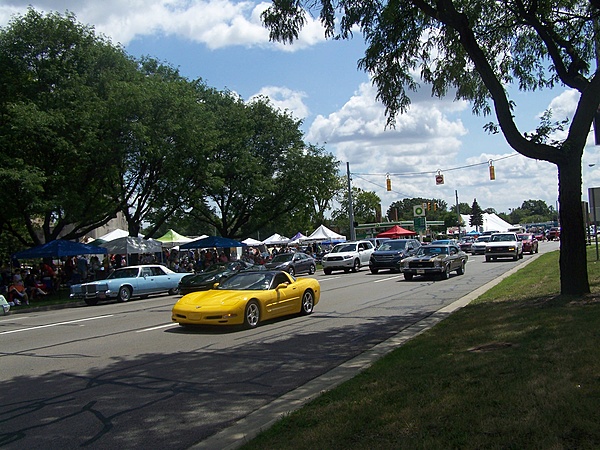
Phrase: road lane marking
(388, 278)
(56, 324)
(158, 327)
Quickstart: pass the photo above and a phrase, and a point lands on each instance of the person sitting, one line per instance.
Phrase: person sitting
(17, 294)
(34, 287)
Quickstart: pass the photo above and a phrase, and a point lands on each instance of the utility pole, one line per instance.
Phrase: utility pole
(350, 205)
(457, 212)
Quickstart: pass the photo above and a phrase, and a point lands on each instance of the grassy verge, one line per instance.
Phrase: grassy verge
(518, 368)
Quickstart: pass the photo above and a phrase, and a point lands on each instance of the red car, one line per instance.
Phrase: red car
(530, 243)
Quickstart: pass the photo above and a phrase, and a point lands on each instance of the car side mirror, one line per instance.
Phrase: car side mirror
(214, 286)
(282, 286)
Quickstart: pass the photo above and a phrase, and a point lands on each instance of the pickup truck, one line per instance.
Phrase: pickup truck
(503, 245)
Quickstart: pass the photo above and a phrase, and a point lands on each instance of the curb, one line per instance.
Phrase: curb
(263, 418)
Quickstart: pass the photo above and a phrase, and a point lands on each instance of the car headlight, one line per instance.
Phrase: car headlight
(348, 256)
(512, 249)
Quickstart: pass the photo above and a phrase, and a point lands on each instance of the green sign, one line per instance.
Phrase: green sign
(420, 223)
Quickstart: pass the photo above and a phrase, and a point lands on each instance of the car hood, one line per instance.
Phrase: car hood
(194, 280)
(272, 265)
(426, 258)
(388, 252)
(501, 243)
(213, 298)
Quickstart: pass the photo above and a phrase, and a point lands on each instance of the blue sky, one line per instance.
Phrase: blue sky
(224, 43)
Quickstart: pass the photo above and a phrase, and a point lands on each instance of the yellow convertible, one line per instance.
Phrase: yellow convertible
(248, 298)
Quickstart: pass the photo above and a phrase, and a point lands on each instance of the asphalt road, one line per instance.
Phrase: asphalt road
(122, 375)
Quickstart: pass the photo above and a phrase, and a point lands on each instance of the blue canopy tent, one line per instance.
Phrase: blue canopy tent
(58, 248)
(212, 241)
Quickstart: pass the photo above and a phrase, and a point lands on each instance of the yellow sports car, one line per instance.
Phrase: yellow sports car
(248, 298)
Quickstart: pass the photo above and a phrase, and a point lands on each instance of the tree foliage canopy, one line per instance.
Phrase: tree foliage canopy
(474, 49)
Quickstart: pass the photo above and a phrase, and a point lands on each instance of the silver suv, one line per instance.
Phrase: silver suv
(348, 256)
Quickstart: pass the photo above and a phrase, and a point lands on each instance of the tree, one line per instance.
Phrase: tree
(56, 76)
(260, 169)
(476, 219)
(365, 205)
(476, 49)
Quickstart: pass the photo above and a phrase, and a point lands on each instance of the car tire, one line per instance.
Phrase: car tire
(291, 271)
(308, 303)
(516, 257)
(408, 276)
(356, 266)
(374, 271)
(521, 255)
(488, 258)
(124, 294)
(446, 272)
(91, 301)
(461, 269)
(327, 271)
(312, 269)
(174, 291)
(251, 314)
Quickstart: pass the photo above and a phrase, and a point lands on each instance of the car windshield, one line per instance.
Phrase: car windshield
(392, 245)
(524, 237)
(255, 281)
(127, 272)
(483, 239)
(431, 250)
(216, 268)
(284, 257)
(341, 248)
(502, 238)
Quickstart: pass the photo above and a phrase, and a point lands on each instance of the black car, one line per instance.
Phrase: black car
(206, 279)
(293, 263)
(389, 254)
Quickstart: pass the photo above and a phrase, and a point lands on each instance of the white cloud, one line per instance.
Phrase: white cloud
(214, 23)
(286, 100)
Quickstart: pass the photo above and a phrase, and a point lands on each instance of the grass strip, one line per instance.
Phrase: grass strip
(517, 368)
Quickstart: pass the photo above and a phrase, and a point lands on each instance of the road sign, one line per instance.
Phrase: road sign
(418, 211)
(420, 224)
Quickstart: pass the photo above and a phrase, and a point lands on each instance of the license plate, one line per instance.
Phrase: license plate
(421, 271)
(101, 295)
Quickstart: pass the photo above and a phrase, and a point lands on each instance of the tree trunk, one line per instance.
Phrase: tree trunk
(573, 257)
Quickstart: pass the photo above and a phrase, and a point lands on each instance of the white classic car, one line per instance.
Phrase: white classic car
(127, 282)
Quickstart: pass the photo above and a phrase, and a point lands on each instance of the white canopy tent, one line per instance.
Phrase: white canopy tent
(112, 235)
(491, 222)
(252, 242)
(276, 239)
(324, 234)
(128, 245)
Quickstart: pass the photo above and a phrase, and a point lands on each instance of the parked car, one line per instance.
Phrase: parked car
(248, 298)
(435, 260)
(215, 273)
(293, 263)
(391, 252)
(478, 247)
(530, 243)
(127, 282)
(504, 245)
(348, 256)
(466, 243)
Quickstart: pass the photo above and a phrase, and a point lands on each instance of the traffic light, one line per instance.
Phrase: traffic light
(428, 206)
(388, 184)
(435, 206)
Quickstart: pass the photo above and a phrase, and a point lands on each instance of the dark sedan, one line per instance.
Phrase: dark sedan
(530, 243)
(389, 254)
(437, 260)
(293, 263)
(215, 273)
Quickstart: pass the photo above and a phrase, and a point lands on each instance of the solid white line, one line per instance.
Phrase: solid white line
(55, 324)
(158, 327)
(388, 278)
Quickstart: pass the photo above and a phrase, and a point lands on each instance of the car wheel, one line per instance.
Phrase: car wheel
(327, 271)
(252, 314)
(91, 301)
(446, 272)
(374, 271)
(408, 276)
(124, 294)
(516, 257)
(461, 269)
(308, 303)
(312, 269)
(356, 266)
(488, 258)
(174, 291)
(537, 249)
(291, 271)
(521, 255)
